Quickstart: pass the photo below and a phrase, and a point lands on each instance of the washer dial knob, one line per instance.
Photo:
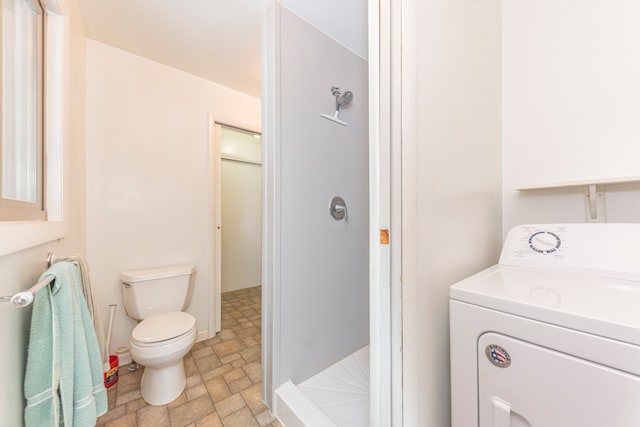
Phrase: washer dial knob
(544, 242)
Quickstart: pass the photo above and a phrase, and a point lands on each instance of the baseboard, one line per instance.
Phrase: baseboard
(241, 288)
(202, 335)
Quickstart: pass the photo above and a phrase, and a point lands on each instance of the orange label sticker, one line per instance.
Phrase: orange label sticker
(384, 237)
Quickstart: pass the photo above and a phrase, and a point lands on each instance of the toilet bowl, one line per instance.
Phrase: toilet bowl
(165, 334)
(159, 343)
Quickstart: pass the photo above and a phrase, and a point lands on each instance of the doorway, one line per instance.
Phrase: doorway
(241, 206)
(236, 211)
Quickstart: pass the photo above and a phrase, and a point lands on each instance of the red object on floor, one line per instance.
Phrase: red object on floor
(111, 376)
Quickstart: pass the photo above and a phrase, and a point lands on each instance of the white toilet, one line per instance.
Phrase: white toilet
(165, 333)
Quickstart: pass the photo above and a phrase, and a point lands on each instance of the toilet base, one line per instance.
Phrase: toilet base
(160, 386)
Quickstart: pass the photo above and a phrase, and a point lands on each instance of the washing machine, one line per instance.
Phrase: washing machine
(550, 336)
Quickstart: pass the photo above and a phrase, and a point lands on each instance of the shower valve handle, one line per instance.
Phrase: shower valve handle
(338, 208)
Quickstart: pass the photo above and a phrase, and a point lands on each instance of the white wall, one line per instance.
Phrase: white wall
(344, 21)
(22, 269)
(241, 211)
(570, 90)
(147, 145)
(321, 295)
(451, 180)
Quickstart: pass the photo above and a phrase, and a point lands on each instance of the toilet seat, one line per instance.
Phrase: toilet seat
(163, 329)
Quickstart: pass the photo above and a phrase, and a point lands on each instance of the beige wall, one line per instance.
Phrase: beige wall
(20, 270)
(147, 171)
(451, 180)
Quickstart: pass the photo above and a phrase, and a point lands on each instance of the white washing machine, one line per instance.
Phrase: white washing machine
(550, 337)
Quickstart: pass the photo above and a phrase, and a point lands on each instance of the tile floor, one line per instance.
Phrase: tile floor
(223, 378)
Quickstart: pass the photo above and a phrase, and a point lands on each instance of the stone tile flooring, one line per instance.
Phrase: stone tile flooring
(223, 378)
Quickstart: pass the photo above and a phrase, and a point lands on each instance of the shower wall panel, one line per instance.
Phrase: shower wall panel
(324, 282)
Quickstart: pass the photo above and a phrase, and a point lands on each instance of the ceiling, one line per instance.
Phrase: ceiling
(218, 40)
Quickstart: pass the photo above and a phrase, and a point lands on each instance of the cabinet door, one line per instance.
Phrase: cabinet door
(570, 91)
(524, 385)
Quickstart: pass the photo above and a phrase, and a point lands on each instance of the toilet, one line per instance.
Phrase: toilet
(165, 334)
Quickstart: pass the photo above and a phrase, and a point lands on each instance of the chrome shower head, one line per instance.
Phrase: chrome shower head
(345, 99)
(342, 99)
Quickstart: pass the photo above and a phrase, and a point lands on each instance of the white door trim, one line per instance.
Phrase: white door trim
(214, 219)
(406, 33)
(379, 219)
(393, 56)
(385, 187)
(271, 202)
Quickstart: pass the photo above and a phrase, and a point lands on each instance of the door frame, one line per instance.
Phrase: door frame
(214, 218)
(385, 191)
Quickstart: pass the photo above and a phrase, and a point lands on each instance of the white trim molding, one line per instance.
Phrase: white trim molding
(271, 203)
(21, 235)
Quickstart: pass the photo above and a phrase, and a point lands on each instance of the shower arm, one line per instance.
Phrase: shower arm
(336, 92)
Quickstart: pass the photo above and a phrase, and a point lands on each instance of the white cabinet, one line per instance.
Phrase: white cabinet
(571, 93)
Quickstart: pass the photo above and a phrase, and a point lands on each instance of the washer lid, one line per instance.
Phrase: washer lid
(163, 327)
(598, 305)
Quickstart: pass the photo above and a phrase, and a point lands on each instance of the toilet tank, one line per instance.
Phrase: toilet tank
(154, 291)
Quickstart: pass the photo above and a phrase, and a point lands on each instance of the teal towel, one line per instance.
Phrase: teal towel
(64, 379)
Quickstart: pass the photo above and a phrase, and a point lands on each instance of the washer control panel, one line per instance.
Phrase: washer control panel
(610, 249)
(544, 242)
(534, 241)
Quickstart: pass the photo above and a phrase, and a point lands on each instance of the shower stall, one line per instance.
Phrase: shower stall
(316, 224)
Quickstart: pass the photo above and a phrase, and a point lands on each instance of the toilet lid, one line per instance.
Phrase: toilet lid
(162, 327)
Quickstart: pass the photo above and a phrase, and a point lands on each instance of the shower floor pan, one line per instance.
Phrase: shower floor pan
(336, 397)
